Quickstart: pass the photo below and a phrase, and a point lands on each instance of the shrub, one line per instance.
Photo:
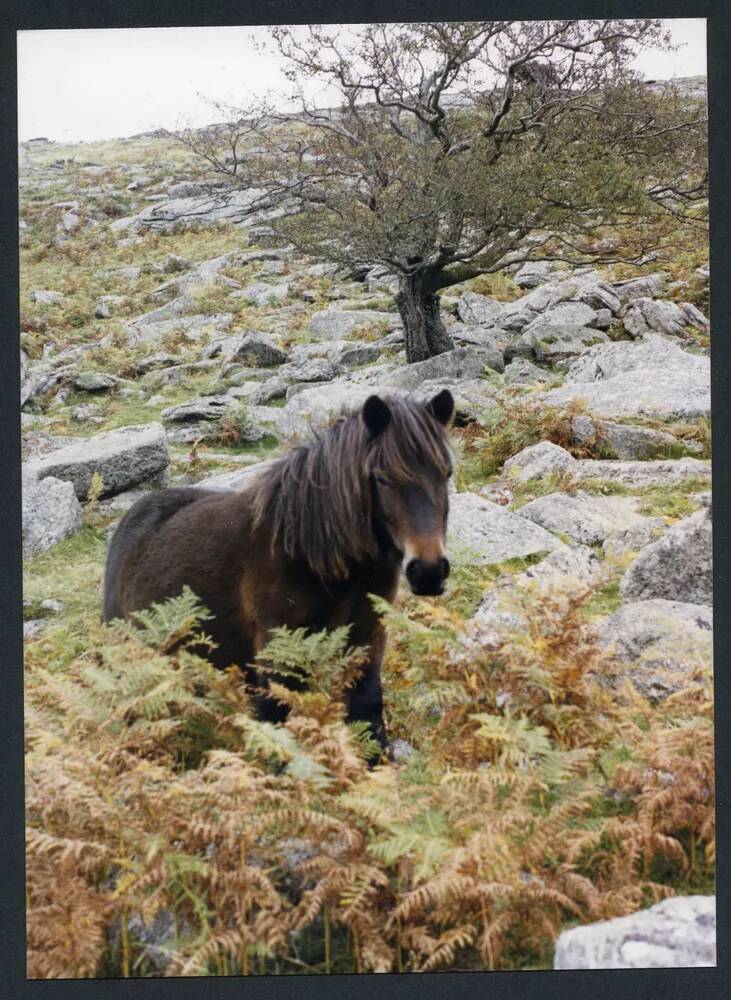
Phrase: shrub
(234, 429)
(505, 429)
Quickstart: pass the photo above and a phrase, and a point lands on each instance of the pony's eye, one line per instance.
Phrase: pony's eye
(381, 481)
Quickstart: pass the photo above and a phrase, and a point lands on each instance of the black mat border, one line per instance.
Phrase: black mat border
(625, 984)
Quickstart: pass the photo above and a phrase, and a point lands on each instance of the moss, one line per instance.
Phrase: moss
(604, 602)
(524, 492)
(605, 487)
(672, 502)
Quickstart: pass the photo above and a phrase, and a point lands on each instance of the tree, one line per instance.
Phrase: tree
(457, 147)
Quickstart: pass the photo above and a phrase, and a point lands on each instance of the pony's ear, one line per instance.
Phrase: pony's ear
(442, 406)
(376, 415)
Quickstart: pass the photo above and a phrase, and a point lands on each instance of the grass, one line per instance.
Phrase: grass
(146, 152)
(604, 601)
(531, 489)
(70, 572)
(498, 286)
(120, 411)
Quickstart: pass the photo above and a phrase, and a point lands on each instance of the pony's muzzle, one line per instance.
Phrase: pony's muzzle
(427, 577)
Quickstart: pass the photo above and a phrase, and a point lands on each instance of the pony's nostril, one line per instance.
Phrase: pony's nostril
(412, 568)
(445, 567)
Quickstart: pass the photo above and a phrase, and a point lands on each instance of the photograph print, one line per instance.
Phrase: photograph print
(366, 498)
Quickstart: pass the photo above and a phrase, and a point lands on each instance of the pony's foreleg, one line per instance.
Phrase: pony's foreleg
(268, 708)
(365, 702)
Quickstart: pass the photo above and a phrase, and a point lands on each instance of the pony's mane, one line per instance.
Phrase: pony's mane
(317, 499)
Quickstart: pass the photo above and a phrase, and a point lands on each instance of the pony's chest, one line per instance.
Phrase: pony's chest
(299, 599)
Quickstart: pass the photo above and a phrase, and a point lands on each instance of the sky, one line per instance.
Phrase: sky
(90, 84)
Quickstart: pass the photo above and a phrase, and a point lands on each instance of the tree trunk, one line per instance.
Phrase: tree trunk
(418, 305)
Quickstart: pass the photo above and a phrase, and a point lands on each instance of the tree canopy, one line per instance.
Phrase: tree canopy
(456, 147)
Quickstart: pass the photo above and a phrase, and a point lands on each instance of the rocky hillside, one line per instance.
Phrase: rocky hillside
(166, 338)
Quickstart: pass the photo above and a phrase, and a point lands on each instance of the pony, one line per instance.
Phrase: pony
(303, 544)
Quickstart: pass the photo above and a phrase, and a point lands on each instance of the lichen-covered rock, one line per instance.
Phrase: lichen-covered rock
(107, 305)
(624, 441)
(653, 472)
(584, 518)
(660, 641)
(192, 327)
(269, 418)
(45, 296)
(311, 370)
(487, 533)
(539, 460)
(694, 316)
(652, 378)
(181, 305)
(646, 286)
(174, 264)
(521, 371)
(259, 393)
(568, 314)
(38, 379)
(605, 361)
(676, 933)
(358, 354)
(313, 408)
(339, 324)
(555, 340)
(196, 205)
(127, 272)
(480, 336)
(258, 349)
(478, 310)
(460, 363)
(652, 316)
(201, 408)
(589, 289)
(86, 413)
(574, 562)
(124, 459)
(94, 382)
(261, 293)
(678, 567)
(50, 512)
(535, 273)
(634, 537)
(297, 387)
(158, 360)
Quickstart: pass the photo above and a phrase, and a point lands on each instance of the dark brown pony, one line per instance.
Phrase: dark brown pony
(305, 543)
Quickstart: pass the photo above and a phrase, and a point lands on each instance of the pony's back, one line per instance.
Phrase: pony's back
(140, 521)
